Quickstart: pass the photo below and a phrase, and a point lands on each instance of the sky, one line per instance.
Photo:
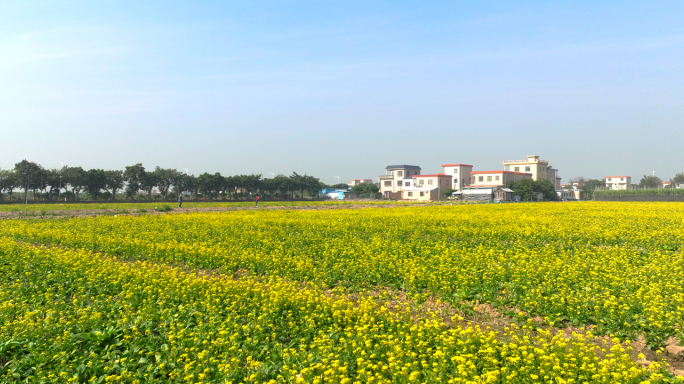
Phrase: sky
(343, 88)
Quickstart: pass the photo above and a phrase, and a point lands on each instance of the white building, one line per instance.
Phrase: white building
(356, 182)
(618, 182)
(396, 178)
(460, 175)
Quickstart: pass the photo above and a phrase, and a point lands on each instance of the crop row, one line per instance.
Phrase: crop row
(616, 266)
(189, 204)
(70, 316)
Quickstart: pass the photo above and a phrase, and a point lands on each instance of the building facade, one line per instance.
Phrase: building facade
(460, 175)
(356, 182)
(540, 169)
(397, 177)
(427, 187)
(496, 178)
(618, 182)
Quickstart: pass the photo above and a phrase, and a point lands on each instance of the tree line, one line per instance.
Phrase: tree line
(137, 182)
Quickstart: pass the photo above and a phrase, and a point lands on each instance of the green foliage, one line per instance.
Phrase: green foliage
(365, 188)
(448, 192)
(164, 208)
(528, 189)
(649, 181)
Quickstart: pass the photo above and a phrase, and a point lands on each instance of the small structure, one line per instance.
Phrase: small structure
(333, 193)
(504, 194)
(475, 193)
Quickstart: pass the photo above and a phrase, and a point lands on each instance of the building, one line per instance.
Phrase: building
(496, 178)
(504, 194)
(618, 182)
(356, 182)
(396, 178)
(478, 193)
(426, 187)
(540, 169)
(460, 175)
(333, 193)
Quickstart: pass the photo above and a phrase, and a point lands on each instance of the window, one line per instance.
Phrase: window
(388, 183)
(609, 179)
(407, 184)
(516, 169)
(622, 179)
(410, 193)
(400, 173)
(422, 193)
(527, 169)
(456, 181)
(455, 170)
(497, 178)
(481, 178)
(430, 182)
(489, 178)
(420, 182)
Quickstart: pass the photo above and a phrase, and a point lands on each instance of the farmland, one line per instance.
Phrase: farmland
(311, 295)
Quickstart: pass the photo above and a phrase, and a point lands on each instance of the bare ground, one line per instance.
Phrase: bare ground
(174, 211)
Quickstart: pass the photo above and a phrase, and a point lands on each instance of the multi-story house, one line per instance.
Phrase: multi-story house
(496, 178)
(540, 169)
(427, 187)
(618, 182)
(396, 178)
(460, 175)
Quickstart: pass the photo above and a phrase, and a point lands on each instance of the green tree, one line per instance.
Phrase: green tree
(208, 184)
(448, 192)
(133, 176)
(27, 172)
(148, 181)
(96, 181)
(677, 180)
(365, 189)
(338, 186)
(528, 189)
(114, 180)
(8, 181)
(165, 178)
(650, 182)
(591, 185)
(76, 178)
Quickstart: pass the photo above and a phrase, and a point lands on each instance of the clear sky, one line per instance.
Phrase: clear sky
(343, 88)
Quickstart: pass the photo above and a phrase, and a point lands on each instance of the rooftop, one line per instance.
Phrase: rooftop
(457, 165)
(433, 175)
(402, 167)
(509, 172)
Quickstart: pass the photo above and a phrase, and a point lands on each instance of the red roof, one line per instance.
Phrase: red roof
(618, 176)
(457, 165)
(433, 175)
(509, 172)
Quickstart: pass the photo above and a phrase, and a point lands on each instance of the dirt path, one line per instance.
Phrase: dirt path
(151, 211)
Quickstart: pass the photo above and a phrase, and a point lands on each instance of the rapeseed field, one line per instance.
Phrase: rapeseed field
(153, 298)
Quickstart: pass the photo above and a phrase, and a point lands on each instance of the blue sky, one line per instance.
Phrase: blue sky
(343, 88)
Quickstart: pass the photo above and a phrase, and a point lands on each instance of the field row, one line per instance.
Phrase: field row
(70, 316)
(157, 204)
(615, 266)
